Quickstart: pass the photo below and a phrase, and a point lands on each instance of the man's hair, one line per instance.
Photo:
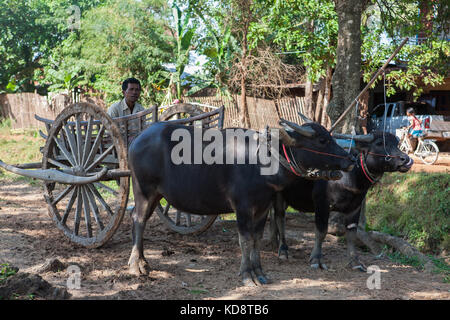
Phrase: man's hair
(410, 110)
(130, 80)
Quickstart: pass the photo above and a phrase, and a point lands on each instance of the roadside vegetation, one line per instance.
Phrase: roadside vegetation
(414, 206)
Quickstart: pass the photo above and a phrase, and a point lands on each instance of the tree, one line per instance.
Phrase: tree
(30, 30)
(118, 40)
(306, 30)
(424, 61)
(347, 74)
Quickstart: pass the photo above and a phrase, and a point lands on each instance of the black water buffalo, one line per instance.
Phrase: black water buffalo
(222, 188)
(378, 154)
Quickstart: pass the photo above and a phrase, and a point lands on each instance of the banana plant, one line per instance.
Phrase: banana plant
(185, 33)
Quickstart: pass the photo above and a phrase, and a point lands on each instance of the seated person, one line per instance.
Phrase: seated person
(131, 89)
(414, 128)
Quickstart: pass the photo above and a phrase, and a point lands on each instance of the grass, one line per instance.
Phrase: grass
(440, 265)
(6, 271)
(18, 146)
(415, 206)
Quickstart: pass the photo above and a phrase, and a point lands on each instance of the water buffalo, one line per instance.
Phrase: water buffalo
(222, 188)
(378, 154)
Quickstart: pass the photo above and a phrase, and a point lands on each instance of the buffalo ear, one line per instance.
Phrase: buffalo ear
(362, 146)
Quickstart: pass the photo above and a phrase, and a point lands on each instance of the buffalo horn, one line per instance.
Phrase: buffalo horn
(359, 137)
(304, 118)
(306, 131)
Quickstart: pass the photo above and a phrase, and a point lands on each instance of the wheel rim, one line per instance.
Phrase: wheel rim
(82, 140)
(429, 153)
(183, 222)
(176, 220)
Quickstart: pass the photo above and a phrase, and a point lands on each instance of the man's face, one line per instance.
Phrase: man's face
(132, 93)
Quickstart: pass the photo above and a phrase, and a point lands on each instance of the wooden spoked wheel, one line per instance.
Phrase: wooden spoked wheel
(176, 220)
(84, 141)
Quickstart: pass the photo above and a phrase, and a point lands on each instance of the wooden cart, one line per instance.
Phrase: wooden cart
(85, 169)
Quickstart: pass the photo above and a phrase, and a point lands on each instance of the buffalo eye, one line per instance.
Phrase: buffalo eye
(379, 143)
(323, 140)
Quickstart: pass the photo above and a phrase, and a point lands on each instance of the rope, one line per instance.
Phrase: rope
(385, 115)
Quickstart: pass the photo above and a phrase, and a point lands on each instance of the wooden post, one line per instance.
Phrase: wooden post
(368, 85)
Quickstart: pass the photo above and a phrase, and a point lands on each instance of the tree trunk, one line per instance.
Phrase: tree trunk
(326, 122)
(309, 103)
(319, 103)
(347, 75)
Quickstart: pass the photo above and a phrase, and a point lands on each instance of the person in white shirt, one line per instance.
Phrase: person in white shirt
(131, 89)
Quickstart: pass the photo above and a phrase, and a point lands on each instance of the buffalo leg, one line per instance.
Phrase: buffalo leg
(351, 223)
(280, 225)
(246, 244)
(274, 234)
(321, 229)
(144, 209)
(250, 240)
(255, 257)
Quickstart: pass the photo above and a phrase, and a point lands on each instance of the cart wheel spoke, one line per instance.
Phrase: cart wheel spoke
(69, 207)
(87, 213)
(177, 218)
(58, 164)
(79, 208)
(87, 141)
(100, 158)
(183, 222)
(95, 146)
(102, 201)
(79, 135)
(105, 187)
(72, 144)
(62, 194)
(94, 208)
(65, 151)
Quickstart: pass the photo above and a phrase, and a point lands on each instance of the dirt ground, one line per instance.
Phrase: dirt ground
(197, 267)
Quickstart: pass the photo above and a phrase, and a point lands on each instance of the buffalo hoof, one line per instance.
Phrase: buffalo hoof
(247, 280)
(356, 264)
(319, 265)
(283, 252)
(261, 280)
(253, 279)
(139, 267)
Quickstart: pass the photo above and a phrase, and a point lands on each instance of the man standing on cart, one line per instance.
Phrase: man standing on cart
(131, 89)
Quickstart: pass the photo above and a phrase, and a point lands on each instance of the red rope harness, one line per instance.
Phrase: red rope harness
(289, 161)
(364, 169)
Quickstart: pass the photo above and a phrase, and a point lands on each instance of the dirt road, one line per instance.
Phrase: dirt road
(195, 267)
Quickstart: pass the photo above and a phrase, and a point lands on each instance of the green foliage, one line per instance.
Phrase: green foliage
(307, 27)
(30, 30)
(117, 40)
(6, 271)
(413, 205)
(421, 64)
(216, 42)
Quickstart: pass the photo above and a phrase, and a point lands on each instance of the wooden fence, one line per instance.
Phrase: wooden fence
(21, 108)
(262, 112)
